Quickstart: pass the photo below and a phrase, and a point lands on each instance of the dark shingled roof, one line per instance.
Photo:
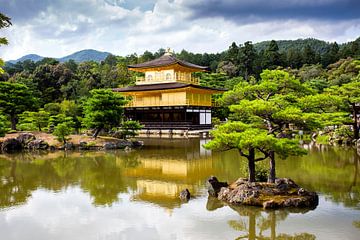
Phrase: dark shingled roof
(166, 60)
(162, 86)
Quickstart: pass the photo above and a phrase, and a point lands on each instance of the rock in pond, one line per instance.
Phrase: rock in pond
(25, 138)
(122, 144)
(37, 144)
(185, 195)
(69, 146)
(283, 193)
(137, 143)
(109, 146)
(214, 186)
(11, 145)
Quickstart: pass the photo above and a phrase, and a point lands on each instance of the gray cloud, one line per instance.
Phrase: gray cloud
(60, 27)
(260, 10)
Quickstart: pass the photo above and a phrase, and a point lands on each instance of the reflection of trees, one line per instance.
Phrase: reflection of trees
(356, 224)
(103, 179)
(259, 221)
(98, 174)
(333, 171)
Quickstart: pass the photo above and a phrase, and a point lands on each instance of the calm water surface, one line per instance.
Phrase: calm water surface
(119, 195)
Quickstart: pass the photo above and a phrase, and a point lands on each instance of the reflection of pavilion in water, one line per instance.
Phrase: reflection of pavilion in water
(167, 168)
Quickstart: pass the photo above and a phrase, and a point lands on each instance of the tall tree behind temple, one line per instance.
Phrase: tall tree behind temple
(232, 53)
(309, 55)
(293, 58)
(246, 58)
(331, 55)
(272, 57)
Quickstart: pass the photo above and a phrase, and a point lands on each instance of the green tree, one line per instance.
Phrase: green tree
(350, 95)
(4, 22)
(130, 128)
(271, 104)
(272, 56)
(14, 99)
(103, 109)
(309, 55)
(246, 60)
(3, 126)
(62, 131)
(33, 120)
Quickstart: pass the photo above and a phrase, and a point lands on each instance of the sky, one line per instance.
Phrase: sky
(56, 28)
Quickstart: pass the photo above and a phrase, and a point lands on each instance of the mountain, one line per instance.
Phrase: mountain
(86, 55)
(32, 57)
(80, 56)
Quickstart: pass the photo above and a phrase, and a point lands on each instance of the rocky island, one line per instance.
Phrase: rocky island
(283, 193)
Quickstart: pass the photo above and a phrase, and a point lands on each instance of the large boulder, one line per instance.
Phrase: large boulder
(25, 138)
(214, 186)
(83, 145)
(137, 143)
(122, 144)
(69, 146)
(283, 193)
(37, 144)
(185, 195)
(109, 146)
(11, 145)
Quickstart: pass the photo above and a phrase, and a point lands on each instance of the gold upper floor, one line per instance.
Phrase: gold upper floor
(182, 97)
(166, 76)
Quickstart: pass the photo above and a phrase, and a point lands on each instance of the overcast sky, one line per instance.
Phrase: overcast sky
(56, 28)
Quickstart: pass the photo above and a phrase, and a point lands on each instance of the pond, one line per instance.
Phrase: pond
(134, 195)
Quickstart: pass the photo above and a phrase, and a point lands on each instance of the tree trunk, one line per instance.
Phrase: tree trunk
(355, 124)
(96, 133)
(272, 172)
(13, 122)
(251, 165)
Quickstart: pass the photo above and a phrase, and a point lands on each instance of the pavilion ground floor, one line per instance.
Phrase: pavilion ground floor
(179, 117)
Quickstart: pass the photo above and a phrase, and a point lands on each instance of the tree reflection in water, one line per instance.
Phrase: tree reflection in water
(259, 221)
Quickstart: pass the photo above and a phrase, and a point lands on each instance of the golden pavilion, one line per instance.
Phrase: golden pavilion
(168, 96)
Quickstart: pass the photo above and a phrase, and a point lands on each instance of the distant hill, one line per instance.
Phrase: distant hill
(80, 56)
(299, 44)
(86, 55)
(32, 57)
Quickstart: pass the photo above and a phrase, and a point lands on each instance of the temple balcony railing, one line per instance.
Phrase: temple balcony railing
(163, 103)
(177, 78)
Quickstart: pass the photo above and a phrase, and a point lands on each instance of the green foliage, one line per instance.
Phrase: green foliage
(130, 128)
(14, 99)
(103, 109)
(33, 120)
(62, 131)
(3, 125)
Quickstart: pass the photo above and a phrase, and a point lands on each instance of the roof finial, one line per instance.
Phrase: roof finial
(169, 52)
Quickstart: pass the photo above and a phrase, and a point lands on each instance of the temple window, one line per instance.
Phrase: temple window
(168, 76)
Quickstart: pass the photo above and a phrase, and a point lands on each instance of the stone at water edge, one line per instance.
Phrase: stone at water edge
(109, 146)
(11, 145)
(69, 146)
(185, 195)
(38, 144)
(214, 186)
(283, 193)
(25, 138)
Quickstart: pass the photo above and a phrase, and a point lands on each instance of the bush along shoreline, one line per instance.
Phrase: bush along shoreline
(27, 141)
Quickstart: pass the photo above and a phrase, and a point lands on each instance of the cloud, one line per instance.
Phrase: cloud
(56, 28)
(259, 10)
